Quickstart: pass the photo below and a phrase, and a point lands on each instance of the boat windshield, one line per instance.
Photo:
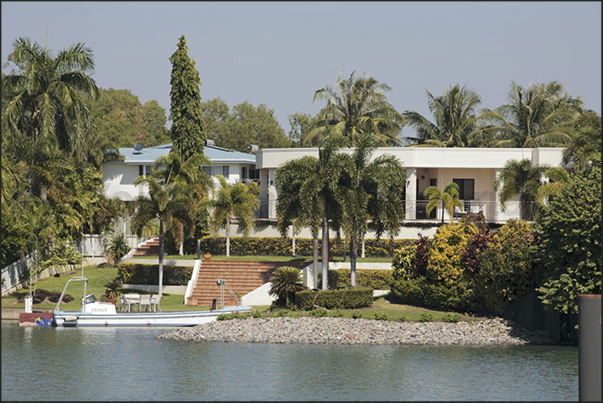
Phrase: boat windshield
(90, 299)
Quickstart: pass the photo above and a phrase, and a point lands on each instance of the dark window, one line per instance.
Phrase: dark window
(225, 171)
(148, 170)
(433, 182)
(140, 170)
(243, 173)
(207, 170)
(466, 187)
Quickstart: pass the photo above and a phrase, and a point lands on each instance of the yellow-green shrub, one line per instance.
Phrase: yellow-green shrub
(445, 251)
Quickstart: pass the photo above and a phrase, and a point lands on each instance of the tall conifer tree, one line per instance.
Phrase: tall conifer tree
(187, 131)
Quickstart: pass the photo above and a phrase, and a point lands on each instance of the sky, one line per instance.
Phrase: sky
(279, 53)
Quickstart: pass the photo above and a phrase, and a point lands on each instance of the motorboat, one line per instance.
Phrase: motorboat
(96, 313)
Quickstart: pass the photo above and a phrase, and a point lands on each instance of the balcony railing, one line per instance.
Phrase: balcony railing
(417, 210)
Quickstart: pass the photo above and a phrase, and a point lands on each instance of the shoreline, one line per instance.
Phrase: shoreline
(359, 331)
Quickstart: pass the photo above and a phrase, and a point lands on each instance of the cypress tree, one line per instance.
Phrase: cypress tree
(188, 129)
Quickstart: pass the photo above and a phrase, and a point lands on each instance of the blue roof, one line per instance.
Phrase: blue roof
(147, 156)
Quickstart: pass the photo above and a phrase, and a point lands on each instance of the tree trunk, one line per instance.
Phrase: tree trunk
(181, 229)
(325, 253)
(315, 261)
(363, 245)
(353, 255)
(160, 258)
(227, 237)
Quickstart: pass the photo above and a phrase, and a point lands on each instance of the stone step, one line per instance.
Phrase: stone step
(242, 276)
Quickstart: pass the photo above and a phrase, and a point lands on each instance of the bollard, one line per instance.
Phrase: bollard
(589, 347)
(28, 304)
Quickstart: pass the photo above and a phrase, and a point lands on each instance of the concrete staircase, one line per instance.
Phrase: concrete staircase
(149, 248)
(242, 276)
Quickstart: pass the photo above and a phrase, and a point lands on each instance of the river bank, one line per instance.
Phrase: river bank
(359, 331)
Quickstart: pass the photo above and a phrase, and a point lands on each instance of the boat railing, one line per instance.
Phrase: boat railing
(84, 279)
(224, 284)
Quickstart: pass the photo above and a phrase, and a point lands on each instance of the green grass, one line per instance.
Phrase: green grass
(172, 302)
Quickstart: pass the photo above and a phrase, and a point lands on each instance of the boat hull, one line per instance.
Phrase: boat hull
(165, 319)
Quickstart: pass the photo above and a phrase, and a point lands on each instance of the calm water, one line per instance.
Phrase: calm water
(131, 364)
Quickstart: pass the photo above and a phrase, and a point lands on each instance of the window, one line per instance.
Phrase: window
(144, 170)
(207, 170)
(216, 170)
(225, 171)
(243, 173)
(466, 188)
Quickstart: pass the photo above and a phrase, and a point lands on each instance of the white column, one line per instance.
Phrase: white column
(411, 194)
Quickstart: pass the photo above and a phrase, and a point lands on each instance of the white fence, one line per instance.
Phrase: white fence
(92, 246)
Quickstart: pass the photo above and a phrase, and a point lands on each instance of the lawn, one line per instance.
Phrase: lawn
(97, 277)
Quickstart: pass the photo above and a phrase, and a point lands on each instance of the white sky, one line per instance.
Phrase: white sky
(279, 53)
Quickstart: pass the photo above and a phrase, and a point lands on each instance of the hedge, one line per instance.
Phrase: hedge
(335, 299)
(371, 278)
(148, 274)
(281, 246)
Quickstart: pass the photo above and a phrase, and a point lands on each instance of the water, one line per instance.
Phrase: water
(132, 364)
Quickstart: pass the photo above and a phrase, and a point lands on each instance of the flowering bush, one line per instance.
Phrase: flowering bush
(446, 249)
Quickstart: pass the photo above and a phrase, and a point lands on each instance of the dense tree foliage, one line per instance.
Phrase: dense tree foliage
(188, 129)
(244, 125)
(124, 121)
(50, 154)
(570, 249)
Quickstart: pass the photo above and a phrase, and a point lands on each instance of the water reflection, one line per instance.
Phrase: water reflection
(132, 364)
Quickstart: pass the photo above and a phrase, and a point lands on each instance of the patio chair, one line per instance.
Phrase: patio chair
(145, 301)
(155, 299)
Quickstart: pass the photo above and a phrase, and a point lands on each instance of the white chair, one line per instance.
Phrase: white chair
(155, 299)
(145, 301)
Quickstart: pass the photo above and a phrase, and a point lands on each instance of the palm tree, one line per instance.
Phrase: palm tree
(307, 192)
(455, 122)
(449, 199)
(285, 282)
(37, 225)
(189, 173)
(585, 146)
(356, 106)
(232, 201)
(537, 115)
(169, 203)
(520, 178)
(48, 100)
(370, 190)
(289, 179)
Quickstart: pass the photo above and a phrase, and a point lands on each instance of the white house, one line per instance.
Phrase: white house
(473, 169)
(119, 176)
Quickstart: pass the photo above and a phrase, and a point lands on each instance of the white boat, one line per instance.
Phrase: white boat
(95, 313)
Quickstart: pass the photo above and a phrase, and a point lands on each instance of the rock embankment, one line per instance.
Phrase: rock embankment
(359, 331)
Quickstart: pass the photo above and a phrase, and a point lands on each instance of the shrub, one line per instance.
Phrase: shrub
(319, 313)
(334, 299)
(148, 274)
(286, 281)
(421, 291)
(506, 266)
(381, 316)
(452, 318)
(370, 278)
(444, 255)
(356, 315)
(403, 263)
(426, 317)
